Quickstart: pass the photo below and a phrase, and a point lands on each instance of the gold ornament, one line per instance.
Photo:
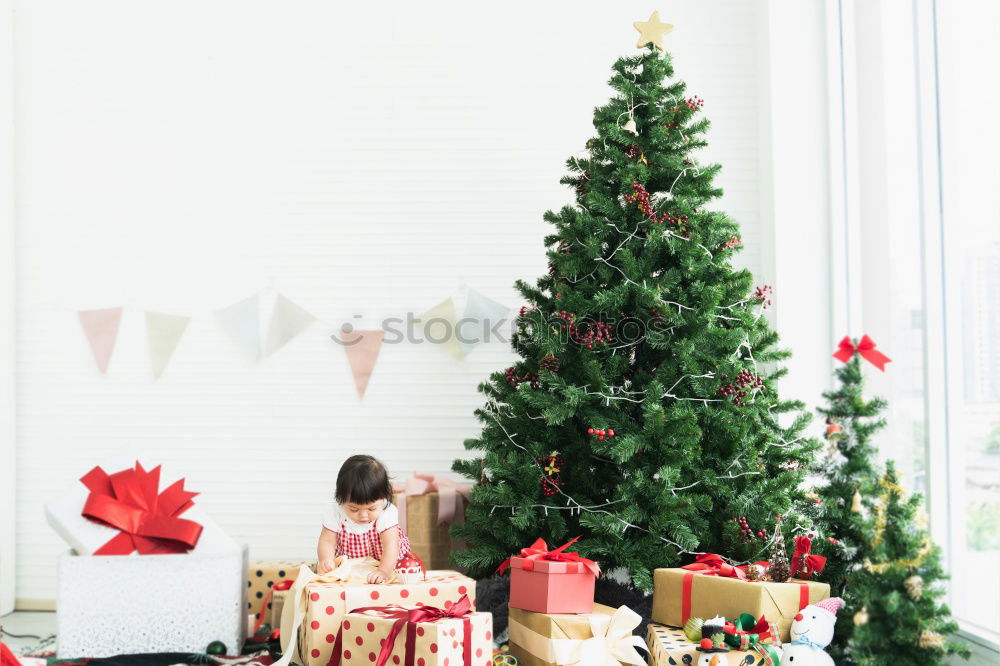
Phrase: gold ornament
(856, 502)
(930, 640)
(914, 586)
(861, 617)
(652, 31)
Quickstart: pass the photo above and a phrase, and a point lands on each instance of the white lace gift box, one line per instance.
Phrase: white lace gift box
(127, 604)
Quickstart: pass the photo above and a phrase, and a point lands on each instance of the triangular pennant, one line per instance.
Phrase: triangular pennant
(101, 329)
(288, 320)
(362, 349)
(241, 322)
(438, 325)
(484, 314)
(163, 331)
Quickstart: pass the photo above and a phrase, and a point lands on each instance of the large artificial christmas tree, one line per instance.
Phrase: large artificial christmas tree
(899, 618)
(643, 412)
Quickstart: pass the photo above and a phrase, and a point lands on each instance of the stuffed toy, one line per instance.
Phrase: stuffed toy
(812, 631)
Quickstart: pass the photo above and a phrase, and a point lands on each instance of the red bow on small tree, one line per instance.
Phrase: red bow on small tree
(865, 349)
(804, 564)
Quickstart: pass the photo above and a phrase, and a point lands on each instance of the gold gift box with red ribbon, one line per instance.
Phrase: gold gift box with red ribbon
(317, 605)
(262, 575)
(707, 590)
(428, 507)
(416, 636)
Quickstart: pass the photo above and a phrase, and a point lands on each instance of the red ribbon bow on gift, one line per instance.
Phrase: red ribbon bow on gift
(804, 564)
(711, 564)
(149, 523)
(540, 551)
(865, 349)
(461, 609)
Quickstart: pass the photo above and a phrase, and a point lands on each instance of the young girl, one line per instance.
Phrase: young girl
(363, 522)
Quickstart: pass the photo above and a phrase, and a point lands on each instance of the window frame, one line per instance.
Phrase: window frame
(945, 460)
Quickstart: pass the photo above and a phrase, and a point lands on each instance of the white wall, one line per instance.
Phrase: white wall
(7, 358)
(359, 158)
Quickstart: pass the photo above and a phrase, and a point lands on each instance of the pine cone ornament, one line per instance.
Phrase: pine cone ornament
(755, 572)
(549, 362)
(914, 587)
(780, 570)
(930, 640)
(861, 617)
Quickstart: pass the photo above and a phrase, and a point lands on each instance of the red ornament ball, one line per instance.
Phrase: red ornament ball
(706, 644)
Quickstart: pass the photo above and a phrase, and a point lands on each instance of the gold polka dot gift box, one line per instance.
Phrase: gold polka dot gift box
(668, 647)
(451, 635)
(262, 575)
(317, 605)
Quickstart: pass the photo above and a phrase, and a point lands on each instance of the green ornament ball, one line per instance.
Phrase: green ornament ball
(692, 629)
(216, 648)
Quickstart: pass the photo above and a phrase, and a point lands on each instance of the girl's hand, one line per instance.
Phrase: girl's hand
(325, 566)
(378, 576)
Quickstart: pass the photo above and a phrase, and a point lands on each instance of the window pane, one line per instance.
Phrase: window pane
(968, 50)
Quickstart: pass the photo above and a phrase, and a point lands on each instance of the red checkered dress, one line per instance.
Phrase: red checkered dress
(368, 544)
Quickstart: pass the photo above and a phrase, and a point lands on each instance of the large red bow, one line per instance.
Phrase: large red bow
(711, 564)
(149, 523)
(865, 348)
(412, 616)
(804, 564)
(540, 551)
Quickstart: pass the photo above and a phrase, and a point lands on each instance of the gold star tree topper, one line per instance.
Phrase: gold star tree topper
(652, 31)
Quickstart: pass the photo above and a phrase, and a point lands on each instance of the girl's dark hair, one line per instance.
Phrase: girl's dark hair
(363, 480)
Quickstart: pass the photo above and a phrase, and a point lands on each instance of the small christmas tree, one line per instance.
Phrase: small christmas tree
(647, 370)
(899, 618)
(851, 473)
(779, 570)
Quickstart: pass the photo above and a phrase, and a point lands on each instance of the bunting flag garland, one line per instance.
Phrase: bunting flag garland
(362, 349)
(288, 320)
(163, 332)
(482, 319)
(438, 326)
(240, 322)
(485, 312)
(101, 329)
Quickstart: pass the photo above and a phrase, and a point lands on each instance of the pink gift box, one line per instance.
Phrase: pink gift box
(545, 586)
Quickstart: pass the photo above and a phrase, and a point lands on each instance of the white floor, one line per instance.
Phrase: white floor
(35, 627)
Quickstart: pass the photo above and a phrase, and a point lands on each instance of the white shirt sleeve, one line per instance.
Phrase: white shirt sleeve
(333, 517)
(388, 518)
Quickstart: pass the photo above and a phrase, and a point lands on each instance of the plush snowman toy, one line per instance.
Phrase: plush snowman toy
(812, 631)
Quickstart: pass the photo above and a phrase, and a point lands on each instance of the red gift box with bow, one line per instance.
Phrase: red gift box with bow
(551, 581)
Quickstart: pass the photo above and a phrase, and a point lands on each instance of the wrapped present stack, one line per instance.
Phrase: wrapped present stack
(713, 612)
(428, 507)
(553, 618)
(337, 617)
(149, 571)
